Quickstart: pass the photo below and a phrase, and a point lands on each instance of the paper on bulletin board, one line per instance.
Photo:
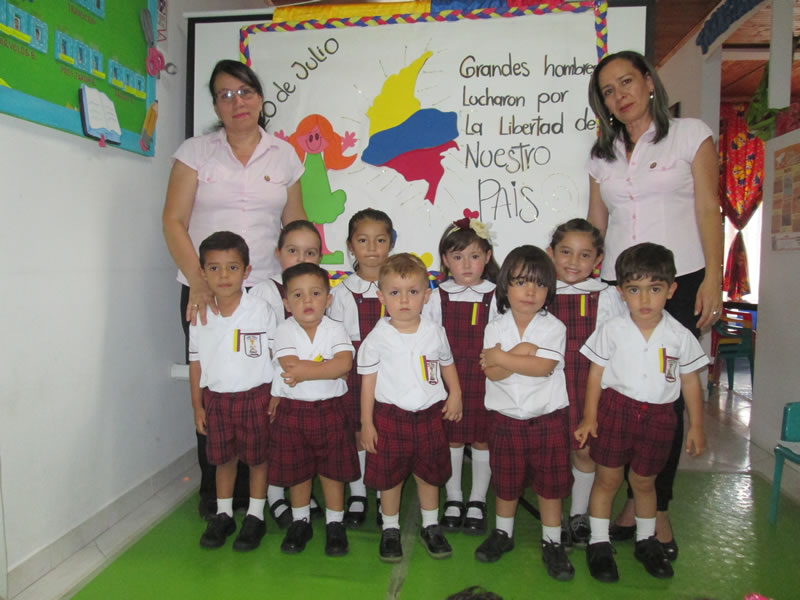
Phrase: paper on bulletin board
(79, 66)
(785, 218)
(432, 119)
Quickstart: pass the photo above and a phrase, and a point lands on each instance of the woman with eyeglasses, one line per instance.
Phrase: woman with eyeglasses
(238, 178)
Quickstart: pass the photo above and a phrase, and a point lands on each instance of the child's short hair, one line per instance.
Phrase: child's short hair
(645, 260)
(405, 265)
(579, 226)
(305, 268)
(460, 234)
(296, 226)
(531, 264)
(224, 240)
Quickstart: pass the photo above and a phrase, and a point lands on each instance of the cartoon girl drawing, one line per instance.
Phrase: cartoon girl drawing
(321, 148)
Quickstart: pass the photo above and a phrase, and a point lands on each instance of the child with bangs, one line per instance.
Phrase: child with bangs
(523, 359)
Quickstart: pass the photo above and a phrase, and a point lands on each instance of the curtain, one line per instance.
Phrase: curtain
(741, 180)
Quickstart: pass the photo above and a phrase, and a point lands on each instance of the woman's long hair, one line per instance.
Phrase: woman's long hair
(244, 74)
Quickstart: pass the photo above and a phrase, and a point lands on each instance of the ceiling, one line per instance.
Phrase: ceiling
(744, 53)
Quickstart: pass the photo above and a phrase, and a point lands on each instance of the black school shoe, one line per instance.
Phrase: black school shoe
(217, 531)
(390, 549)
(297, 537)
(493, 547)
(579, 530)
(558, 565)
(355, 519)
(250, 534)
(336, 539)
(621, 533)
(650, 553)
(285, 518)
(472, 525)
(600, 558)
(207, 508)
(670, 549)
(453, 523)
(435, 543)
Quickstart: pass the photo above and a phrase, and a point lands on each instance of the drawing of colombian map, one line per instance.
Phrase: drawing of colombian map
(405, 137)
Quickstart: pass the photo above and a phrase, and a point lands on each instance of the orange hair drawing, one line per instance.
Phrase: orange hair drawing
(332, 155)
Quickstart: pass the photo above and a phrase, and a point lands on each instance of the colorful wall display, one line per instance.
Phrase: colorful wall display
(79, 66)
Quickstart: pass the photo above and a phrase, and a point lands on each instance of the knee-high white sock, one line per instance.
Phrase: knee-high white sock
(357, 487)
(481, 477)
(581, 490)
(453, 485)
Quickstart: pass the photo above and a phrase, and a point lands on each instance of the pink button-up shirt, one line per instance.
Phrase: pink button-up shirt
(651, 198)
(245, 199)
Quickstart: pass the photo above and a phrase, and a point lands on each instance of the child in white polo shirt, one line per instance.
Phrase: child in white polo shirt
(230, 371)
(405, 362)
(309, 434)
(641, 362)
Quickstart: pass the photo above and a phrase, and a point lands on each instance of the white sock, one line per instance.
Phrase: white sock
(505, 524)
(453, 485)
(313, 502)
(551, 534)
(391, 522)
(645, 528)
(481, 477)
(429, 517)
(225, 505)
(275, 493)
(581, 490)
(357, 487)
(333, 516)
(599, 529)
(256, 507)
(302, 513)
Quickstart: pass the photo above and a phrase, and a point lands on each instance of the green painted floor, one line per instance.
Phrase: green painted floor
(727, 550)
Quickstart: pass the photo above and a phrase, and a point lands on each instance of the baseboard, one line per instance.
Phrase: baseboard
(50, 557)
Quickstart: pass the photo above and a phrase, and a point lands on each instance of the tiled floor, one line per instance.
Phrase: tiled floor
(727, 426)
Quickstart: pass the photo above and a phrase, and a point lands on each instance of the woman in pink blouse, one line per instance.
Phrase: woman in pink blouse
(653, 178)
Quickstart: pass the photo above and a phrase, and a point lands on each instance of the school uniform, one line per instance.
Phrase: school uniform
(271, 291)
(409, 395)
(234, 355)
(581, 307)
(641, 381)
(356, 306)
(464, 313)
(529, 443)
(309, 434)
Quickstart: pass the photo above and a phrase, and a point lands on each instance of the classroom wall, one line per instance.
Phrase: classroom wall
(90, 317)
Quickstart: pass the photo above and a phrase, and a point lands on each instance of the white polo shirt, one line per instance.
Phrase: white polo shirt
(645, 370)
(609, 302)
(408, 364)
(234, 351)
(292, 340)
(651, 197)
(459, 293)
(343, 306)
(269, 293)
(521, 396)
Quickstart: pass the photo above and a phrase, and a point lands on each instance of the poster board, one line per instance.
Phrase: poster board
(444, 113)
(79, 66)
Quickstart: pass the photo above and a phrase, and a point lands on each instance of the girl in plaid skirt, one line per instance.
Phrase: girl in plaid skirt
(581, 303)
(463, 304)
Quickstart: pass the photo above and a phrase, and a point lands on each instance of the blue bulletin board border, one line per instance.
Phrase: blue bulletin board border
(37, 110)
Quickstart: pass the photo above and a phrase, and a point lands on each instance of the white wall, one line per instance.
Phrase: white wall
(777, 378)
(90, 318)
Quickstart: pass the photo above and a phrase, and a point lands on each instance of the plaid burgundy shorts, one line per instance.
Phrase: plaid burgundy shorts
(238, 425)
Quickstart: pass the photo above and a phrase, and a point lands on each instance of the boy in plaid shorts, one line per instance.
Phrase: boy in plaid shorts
(230, 371)
(309, 433)
(405, 362)
(641, 362)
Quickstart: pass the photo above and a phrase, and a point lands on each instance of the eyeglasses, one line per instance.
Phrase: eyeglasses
(228, 95)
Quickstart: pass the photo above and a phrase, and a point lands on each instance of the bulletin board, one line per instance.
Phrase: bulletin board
(80, 66)
(434, 116)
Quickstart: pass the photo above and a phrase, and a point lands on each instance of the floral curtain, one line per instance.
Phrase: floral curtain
(740, 185)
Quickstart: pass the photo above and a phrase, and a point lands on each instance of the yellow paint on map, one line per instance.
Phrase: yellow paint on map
(396, 102)
(3, 83)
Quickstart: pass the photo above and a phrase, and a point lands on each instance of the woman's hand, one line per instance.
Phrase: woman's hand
(708, 304)
(200, 298)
